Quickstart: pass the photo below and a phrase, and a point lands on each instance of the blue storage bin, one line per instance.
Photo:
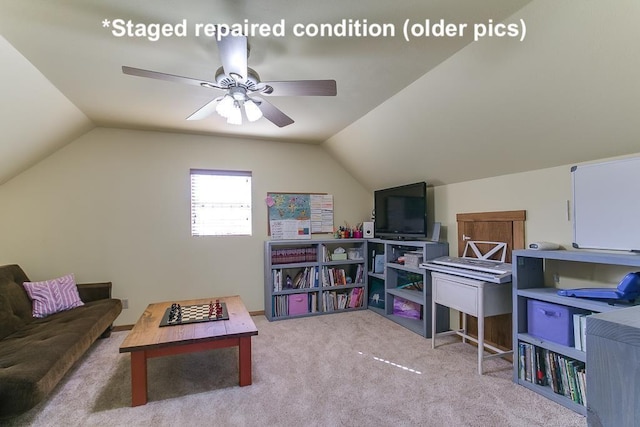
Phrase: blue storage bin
(551, 322)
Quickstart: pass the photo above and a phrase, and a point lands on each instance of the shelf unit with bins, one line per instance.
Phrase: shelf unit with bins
(528, 283)
(312, 260)
(406, 283)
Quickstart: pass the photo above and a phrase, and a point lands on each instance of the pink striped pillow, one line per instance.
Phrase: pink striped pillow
(52, 296)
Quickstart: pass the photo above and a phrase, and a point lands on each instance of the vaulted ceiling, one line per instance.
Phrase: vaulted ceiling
(567, 92)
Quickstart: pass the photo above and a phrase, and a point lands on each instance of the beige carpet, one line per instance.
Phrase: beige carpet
(347, 369)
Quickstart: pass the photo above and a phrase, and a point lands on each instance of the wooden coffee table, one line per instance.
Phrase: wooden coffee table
(147, 340)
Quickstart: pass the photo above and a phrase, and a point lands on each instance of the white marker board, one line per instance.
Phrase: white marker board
(606, 205)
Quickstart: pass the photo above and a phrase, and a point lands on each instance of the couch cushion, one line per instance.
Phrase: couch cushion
(15, 306)
(36, 357)
(52, 296)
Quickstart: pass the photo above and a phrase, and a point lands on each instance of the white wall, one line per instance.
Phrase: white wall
(114, 205)
(542, 193)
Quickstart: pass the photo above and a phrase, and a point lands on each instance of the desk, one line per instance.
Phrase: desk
(475, 298)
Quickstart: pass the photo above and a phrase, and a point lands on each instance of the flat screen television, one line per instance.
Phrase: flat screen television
(401, 212)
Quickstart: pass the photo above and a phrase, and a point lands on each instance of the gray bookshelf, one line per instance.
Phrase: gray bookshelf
(284, 258)
(394, 278)
(528, 283)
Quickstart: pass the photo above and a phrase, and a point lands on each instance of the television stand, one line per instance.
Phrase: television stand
(402, 292)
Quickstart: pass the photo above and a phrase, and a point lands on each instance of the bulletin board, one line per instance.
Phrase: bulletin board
(298, 215)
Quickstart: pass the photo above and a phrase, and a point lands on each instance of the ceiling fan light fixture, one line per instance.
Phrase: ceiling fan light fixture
(225, 106)
(239, 81)
(235, 115)
(252, 111)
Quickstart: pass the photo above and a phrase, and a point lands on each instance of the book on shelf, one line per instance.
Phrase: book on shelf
(583, 332)
(313, 302)
(303, 279)
(549, 370)
(329, 301)
(355, 297)
(280, 306)
(298, 278)
(527, 362)
(532, 365)
(540, 370)
(333, 276)
(564, 375)
(571, 379)
(342, 300)
(580, 331)
(359, 274)
(577, 342)
(326, 257)
(277, 280)
(293, 255)
(521, 359)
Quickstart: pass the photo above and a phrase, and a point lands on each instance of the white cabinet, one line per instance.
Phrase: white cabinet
(476, 298)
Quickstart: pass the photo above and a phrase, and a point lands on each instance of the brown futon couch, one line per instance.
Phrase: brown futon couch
(35, 353)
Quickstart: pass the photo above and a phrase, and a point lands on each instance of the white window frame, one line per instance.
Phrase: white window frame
(220, 202)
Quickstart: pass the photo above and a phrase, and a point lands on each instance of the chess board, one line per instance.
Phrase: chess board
(194, 314)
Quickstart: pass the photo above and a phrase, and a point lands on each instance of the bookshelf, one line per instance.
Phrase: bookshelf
(308, 278)
(401, 291)
(529, 270)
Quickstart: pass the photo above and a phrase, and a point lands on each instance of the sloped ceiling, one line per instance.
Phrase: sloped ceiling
(35, 118)
(568, 93)
(441, 109)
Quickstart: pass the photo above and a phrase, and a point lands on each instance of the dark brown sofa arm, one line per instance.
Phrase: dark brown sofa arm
(94, 291)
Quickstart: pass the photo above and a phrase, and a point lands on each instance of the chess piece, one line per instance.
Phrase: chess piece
(173, 312)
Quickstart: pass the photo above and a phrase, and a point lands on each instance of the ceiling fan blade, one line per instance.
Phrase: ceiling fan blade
(233, 54)
(205, 111)
(272, 113)
(169, 77)
(301, 88)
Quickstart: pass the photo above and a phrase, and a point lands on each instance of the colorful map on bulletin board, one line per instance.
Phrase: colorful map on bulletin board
(297, 215)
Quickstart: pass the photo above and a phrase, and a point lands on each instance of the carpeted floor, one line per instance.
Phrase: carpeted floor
(346, 369)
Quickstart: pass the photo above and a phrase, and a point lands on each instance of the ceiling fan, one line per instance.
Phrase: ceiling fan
(244, 91)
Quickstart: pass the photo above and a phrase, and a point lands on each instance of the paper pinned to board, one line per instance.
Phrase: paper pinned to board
(290, 229)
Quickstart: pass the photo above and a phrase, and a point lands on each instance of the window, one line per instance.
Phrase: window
(220, 203)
